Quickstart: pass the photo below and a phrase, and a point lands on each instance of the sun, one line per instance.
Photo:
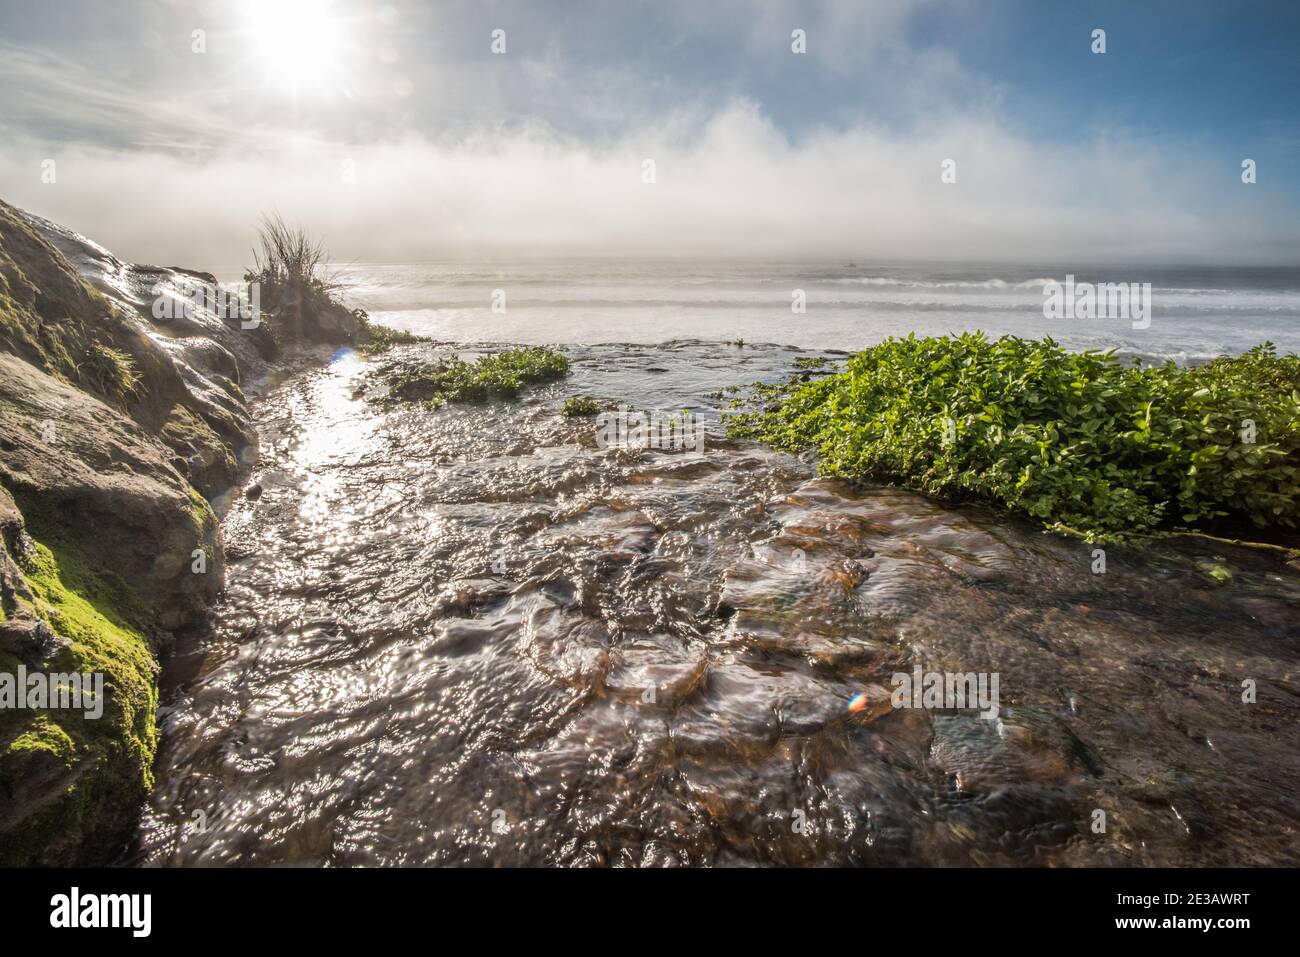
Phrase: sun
(300, 42)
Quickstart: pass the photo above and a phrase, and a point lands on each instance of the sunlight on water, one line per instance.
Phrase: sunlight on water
(1197, 313)
(471, 636)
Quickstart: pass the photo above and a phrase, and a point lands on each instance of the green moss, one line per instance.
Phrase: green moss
(12, 330)
(202, 511)
(191, 435)
(55, 354)
(44, 735)
(104, 764)
(100, 612)
(231, 386)
(205, 526)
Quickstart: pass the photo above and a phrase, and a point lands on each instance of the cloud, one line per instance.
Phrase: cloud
(458, 153)
(67, 101)
(728, 183)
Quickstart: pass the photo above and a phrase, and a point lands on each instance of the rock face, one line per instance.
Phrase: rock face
(70, 779)
(123, 434)
(67, 304)
(87, 476)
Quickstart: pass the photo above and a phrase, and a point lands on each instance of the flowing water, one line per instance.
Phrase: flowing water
(473, 636)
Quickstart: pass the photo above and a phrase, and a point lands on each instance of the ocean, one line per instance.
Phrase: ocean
(1197, 312)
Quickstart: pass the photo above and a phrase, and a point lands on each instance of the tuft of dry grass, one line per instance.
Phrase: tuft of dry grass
(292, 270)
(287, 258)
(111, 372)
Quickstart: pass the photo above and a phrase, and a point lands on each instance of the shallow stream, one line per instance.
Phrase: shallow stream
(471, 636)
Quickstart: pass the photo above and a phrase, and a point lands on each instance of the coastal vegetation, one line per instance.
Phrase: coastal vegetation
(110, 372)
(289, 267)
(1078, 441)
(302, 299)
(576, 406)
(376, 340)
(498, 375)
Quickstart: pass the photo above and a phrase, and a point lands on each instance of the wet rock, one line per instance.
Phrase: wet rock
(980, 754)
(106, 488)
(30, 640)
(69, 788)
(72, 300)
(582, 688)
(119, 424)
(655, 670)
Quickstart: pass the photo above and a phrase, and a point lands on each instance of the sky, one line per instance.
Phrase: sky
(165, 129)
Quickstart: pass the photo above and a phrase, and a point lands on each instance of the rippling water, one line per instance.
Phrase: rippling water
(470, 636)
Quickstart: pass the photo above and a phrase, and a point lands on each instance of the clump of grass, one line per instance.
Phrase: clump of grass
(110, 372)
(289, 264)
(500, 375)
(377, 339)
(808, 363)
(296, 287)
(576, 407)
(1075, 440)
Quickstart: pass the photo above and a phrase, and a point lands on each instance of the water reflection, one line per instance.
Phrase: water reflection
(470, 636)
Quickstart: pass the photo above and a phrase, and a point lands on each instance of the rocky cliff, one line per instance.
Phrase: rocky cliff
(124, 429)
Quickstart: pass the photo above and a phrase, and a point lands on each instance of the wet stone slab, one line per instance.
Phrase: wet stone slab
(472, 636)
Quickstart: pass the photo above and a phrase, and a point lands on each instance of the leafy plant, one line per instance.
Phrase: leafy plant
(575, 407)
(501, 374)
(1073, 439)
(377, 339)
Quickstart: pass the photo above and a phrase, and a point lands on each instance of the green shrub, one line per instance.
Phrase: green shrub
(575, 407)
(376, 339)
(1072, 439)
(502, 374)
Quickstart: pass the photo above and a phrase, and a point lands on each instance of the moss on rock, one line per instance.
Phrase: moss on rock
(71, 784)
(111, 424)
(102, 429)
